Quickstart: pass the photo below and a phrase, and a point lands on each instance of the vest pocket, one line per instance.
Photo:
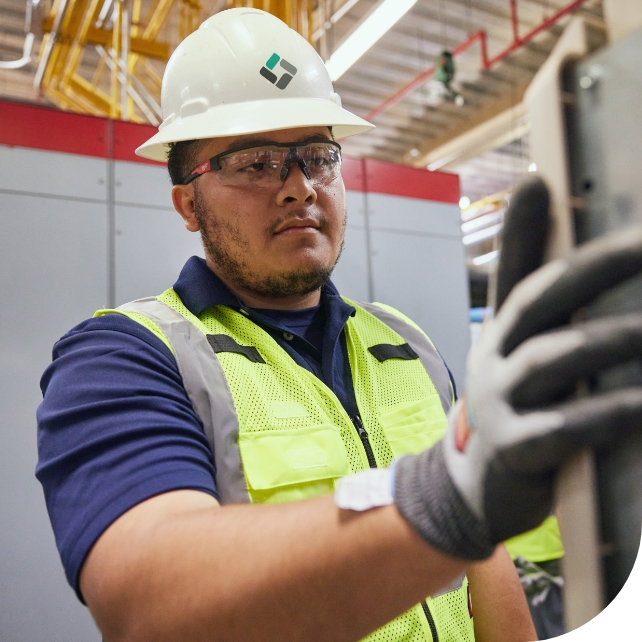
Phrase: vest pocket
(292, 464)
(413, 426)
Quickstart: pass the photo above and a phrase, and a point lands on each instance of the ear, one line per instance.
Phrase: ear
(183, 199)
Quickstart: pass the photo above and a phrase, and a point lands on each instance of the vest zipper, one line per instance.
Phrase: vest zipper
(431, 622)
(365, 440)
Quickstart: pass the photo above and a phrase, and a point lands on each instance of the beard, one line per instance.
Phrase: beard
(225, 246)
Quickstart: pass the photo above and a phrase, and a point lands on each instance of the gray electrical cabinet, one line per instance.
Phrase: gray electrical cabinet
(53, 274)
(605, 150)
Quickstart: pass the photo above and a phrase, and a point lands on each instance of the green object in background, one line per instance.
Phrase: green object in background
(444, 73)
(445, 68)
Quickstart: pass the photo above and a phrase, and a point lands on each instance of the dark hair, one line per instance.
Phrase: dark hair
(181, 159)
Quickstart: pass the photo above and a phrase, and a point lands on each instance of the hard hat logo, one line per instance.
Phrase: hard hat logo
(284, 80)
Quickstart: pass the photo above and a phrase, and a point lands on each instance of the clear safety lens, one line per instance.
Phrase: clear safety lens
(268, 166)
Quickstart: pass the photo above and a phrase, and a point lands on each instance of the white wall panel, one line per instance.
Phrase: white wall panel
(414, 215)
(142, 184)
(356, 203)
(54, 173)
(52, 276)
(351, 272)
(151, 248)
(425, 278)
(417, 265)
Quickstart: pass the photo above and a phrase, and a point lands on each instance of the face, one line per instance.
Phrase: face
(277, 243)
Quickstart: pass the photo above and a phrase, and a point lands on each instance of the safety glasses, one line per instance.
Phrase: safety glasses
(268, 165)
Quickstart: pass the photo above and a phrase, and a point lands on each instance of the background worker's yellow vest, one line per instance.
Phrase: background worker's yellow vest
(280, 434)
(538, 545)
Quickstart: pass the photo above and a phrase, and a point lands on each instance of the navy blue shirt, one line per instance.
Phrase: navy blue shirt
(116, 426)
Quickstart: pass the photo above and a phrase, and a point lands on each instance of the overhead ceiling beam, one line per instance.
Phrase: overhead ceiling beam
(500, 130)
(455, 137)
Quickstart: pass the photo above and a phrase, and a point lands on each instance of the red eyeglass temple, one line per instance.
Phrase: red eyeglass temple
(201, 169)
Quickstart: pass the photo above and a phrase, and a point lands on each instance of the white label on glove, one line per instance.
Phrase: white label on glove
(367, 489)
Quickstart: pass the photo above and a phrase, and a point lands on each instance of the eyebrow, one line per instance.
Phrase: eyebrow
(260, 141)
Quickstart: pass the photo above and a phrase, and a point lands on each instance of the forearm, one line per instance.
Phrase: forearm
(301, 571)
(500, 609)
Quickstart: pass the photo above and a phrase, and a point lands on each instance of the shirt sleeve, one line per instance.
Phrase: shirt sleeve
(115, 428)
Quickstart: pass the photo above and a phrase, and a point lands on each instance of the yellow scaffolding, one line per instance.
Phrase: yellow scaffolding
(106, 57)
(297, 14)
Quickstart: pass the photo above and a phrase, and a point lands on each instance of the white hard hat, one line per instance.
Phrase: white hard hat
(244, 71)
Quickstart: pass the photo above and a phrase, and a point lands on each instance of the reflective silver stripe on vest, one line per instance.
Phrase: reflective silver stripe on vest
(207, 389)
(429, 357)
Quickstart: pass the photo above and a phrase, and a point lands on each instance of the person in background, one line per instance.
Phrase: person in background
(538, 555)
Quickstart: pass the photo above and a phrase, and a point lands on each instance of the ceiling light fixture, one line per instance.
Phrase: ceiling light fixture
(383, 18)
(482, 235)
(486, 258)
(481, 221)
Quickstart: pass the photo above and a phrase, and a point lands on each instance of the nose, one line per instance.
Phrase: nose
(296, 187)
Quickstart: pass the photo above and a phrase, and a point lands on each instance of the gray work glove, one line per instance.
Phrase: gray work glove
(492, 475)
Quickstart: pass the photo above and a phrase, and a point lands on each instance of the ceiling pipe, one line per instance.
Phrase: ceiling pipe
(26, 55)
(28, 43)
(514, 20)
(486, 62)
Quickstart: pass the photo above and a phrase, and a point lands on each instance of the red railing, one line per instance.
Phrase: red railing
(486, 63)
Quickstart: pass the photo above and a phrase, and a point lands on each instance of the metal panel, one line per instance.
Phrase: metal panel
(425, 278)
(52, 173)
(151, 247)
(356, 203)
(52, 276)
(606, 155)
(351, 274)
(142, 184)
(414, 215)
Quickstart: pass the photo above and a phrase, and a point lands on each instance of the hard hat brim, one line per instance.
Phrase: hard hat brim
(254, 117)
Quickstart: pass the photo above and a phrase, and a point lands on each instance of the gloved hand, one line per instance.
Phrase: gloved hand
(492, 475)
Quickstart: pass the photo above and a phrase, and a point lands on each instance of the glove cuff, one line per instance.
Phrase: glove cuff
(427, 498)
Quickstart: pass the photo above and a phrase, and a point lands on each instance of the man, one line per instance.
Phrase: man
(252, 382)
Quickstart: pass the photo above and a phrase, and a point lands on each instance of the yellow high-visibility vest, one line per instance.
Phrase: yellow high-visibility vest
(280, 434)
(540, 544)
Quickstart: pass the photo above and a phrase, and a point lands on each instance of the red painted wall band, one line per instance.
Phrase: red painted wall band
(353, 174)
(400, 180)
(37, 127)
(129, 136)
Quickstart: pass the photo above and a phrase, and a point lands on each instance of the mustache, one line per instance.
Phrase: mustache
(320, 219)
